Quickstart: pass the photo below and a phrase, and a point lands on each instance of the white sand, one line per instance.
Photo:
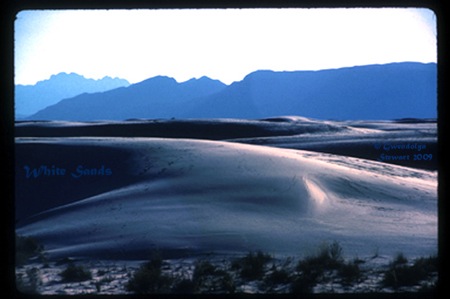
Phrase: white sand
(227, 197)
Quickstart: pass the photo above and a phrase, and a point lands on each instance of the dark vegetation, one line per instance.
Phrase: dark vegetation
(150, 279)
(27, 248)
(251, 267)
(210, 278)
(28, 283)
(74, 273)
(260, 270)
(326, 266)
(402, 273)
(313, 269)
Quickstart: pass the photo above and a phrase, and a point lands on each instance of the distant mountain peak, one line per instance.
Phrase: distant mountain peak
(204, 80)
(57, 78)
(159, 79)
(66, 74)
(31, 98)
(259, 73)
(390, 91)
(63, 76)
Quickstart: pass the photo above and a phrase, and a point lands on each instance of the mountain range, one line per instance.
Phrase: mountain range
(389, 91)
(30, 99)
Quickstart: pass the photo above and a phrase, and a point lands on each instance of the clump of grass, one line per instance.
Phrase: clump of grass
(400, 273)
(208, 277)
(29, 285)
(303, 284)
(328, 258)
(184, 286)
(26, 248)
(149, 278)
(75, 273)
(251, 267)
(203, 269)
(325, 266)
(350, 272)
(227, 283)
(400, 259)
(278, 276)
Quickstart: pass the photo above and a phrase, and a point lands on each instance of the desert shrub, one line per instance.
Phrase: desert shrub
(400, 259)
(149, 278)
(75, 273)
(303, 284)
(349, 272)
(428, 287)
(334, 252)
(278, 276)
(26, 248)
(252, 265)
(184, 286)
(427, 265)
(202, 269)
(227, 283)
(312, 268)
(208, 278)
(30, 283)
(329, 257)
(64, 261)
(401, 274)
(155, 262)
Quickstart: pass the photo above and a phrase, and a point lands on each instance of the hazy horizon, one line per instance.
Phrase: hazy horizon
(223, 44)
(202, 76)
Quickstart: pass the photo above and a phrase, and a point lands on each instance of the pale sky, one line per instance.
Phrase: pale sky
(223, 44)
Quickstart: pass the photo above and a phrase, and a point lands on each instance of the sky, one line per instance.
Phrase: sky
(223, 44)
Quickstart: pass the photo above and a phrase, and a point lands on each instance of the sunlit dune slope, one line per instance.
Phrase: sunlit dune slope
(350, 138)
(190, 196)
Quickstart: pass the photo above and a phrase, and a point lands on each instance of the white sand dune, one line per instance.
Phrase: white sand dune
(349, 138)
(192, 196)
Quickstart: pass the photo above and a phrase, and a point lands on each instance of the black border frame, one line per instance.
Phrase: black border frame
(12, 7)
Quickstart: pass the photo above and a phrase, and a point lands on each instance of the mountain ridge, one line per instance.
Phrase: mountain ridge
(372, 92)
(158, 91)
(30, 99)
(386, 91)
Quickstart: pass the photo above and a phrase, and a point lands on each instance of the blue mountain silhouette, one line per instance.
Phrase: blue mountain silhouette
(29, 99)
(157, 97)
(390, 91)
